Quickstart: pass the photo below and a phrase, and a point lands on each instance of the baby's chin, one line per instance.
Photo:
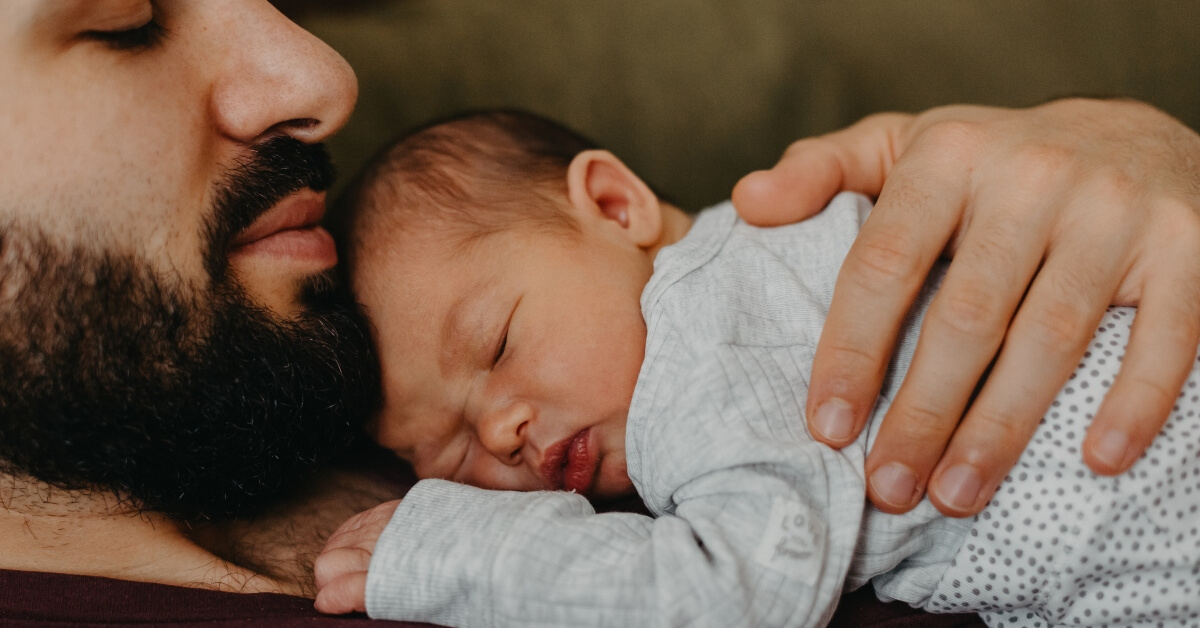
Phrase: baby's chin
(612, 483)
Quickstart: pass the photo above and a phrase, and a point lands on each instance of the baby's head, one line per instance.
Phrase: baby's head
(501, 259)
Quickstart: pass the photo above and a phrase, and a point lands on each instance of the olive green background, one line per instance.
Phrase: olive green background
(695, 93)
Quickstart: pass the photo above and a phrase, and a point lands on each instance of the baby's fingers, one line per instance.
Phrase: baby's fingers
(346, 594)
(363, 529)
(335, 563)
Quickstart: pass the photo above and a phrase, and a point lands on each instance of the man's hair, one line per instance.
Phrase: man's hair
(465, 177)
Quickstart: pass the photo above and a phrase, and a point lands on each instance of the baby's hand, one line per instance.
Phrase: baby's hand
(341, 569)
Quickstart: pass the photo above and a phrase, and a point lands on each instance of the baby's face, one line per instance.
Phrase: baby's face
(512, 365)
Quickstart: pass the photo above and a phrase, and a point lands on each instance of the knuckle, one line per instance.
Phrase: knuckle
(922, 423)
(852, 356)
(954, 136)
(882, 121)
(1058, 325)
(1116, 187)
(996, 430)
(879, 263)
(1132, 112)
(996, 247)
(969, 310)
(849, 362)
(1073, 286)
(802, 145)
(1040, 164)
(883, 118)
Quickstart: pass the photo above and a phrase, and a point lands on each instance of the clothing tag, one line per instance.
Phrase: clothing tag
(793, 541)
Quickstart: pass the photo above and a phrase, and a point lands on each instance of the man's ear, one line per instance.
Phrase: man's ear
(599, 184)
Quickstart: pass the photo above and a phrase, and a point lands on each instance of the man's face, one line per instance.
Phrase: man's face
(164, 285)
(120, 118)
(510, 366)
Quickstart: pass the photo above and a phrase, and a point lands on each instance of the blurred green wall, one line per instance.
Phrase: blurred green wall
(695, 93)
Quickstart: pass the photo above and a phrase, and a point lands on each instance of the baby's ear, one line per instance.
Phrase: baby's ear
(599, 184)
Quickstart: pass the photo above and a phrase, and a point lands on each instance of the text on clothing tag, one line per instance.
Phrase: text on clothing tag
(792, 541)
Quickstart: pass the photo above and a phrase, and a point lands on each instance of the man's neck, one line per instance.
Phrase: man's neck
(95, 534)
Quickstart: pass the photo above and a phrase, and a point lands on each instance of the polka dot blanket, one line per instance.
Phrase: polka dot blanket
(1061, 546)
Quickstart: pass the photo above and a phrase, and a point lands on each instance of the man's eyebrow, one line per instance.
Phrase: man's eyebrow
(50, 11)
(49, 16)
(45, 16)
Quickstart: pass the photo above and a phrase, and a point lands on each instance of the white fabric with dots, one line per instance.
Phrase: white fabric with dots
(1059, 545)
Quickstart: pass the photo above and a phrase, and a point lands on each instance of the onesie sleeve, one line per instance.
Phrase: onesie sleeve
(756, 522)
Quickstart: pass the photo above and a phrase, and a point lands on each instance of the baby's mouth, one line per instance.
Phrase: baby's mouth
(570, 464)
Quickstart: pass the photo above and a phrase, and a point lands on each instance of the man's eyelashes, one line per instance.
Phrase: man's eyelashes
(141, 37)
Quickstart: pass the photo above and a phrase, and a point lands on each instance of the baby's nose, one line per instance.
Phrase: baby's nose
(502, 430)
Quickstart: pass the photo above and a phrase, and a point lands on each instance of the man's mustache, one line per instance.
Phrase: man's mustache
(274, 169)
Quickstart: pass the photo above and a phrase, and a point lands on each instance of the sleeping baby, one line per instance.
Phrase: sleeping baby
(547, 325)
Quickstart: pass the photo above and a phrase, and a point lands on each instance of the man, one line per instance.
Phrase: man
(173, 346)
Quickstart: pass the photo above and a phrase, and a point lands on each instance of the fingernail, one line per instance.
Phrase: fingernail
(959, 487)
(1112, 448)
(894, 483)
(834, 420)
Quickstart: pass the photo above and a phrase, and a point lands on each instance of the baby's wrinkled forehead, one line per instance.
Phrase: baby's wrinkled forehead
(428, 299)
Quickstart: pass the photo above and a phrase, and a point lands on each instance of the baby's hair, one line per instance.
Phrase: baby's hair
(464, 177)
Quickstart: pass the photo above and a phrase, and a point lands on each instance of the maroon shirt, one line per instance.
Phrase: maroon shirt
(45, 600)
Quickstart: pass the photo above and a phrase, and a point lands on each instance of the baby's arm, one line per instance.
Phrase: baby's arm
(756, 531)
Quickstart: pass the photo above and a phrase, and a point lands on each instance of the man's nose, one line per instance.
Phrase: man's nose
(275, 77)
(502, 427)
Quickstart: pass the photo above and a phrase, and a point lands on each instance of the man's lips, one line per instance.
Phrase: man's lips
(290, 229)
(570, 464)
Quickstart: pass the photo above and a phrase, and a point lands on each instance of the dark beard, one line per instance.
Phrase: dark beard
(188, 401)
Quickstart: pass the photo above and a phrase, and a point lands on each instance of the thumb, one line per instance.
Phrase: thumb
(813, 170)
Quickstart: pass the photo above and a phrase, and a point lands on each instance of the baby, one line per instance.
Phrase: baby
(546, 324)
